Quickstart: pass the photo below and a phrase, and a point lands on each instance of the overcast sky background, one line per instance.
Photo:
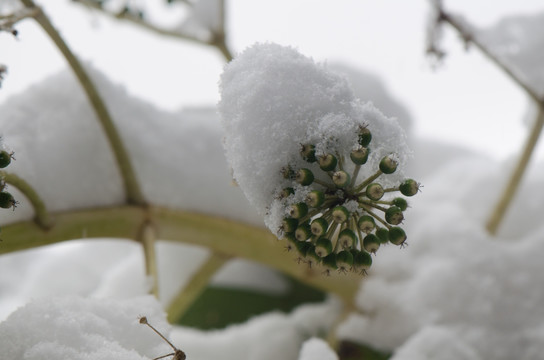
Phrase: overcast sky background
(466, 101)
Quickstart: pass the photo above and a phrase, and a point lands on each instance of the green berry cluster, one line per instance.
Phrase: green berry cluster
(341, 221)
(6, 199)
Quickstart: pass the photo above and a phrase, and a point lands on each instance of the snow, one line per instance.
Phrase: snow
(178, 156)
(453, 293)
(316, 349)
(273, 99)
(73, 328)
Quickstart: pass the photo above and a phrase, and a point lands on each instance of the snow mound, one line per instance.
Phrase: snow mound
(316, 349)
(75, 328)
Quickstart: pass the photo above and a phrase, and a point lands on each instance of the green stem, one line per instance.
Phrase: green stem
(370, 179)
(147, 237)
(190, 292)
(223, 236)
(132, 188)
(41, 215)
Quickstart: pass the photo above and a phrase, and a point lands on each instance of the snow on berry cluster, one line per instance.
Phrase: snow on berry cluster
(322, 167)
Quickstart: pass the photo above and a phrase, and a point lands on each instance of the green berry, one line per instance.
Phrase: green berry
(371, 243)
(323, 247)
(344, 260)
(341, 178)
(394, 215)
(319, 226)
(388, 165)
(330, 261)
(307, 152)
(340, 214)
(397, 236)
(289, 225)
(409, 187)
(366, 224)
(5, 158)
(359, 156)
(327, 162)
(285, 193)
(401, 203)
(347, 239)
(7, 200)
(304, 177)
(362, 260)
(298, 210)
(383, 235)
(315, 198)
(303, 232)
(374, 191)
(365, 136)
(303, 247)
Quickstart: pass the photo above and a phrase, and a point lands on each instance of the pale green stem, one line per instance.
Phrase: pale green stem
(510, 190)
(132, 188)
(223, 236)
(147, 237)
(41, 216)
(370, 179)
(198, 282)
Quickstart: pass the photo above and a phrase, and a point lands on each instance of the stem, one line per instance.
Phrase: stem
(132, 188)
(355, 174)
(502, 205)
(370, 179)
(147, 237)
(41, 216)
(371, 213)
(186, 296)
(223, 236)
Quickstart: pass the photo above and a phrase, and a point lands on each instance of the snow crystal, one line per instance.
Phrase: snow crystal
(273, 99)
(316, 349)
(75, 328)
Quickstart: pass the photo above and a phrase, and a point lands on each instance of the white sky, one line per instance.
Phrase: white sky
(467, 101)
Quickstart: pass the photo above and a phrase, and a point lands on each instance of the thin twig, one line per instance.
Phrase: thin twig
(215, 39)
(132, 188)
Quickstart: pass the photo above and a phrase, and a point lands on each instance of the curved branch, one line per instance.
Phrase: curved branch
(132, 188)
(227, 237)
(42, 217)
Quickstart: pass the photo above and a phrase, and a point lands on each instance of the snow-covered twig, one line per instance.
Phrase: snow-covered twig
(469, 37)
(215, 38)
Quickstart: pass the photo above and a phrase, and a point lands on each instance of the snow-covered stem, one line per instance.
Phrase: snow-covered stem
(222, 236)
(186, 296)
(41, 216)
(147, 237)
(216, 40)
(500, 208)
(470, 38)
(132, 188)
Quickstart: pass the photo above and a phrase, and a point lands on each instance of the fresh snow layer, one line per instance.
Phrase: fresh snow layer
(74, 328)
(273, 99)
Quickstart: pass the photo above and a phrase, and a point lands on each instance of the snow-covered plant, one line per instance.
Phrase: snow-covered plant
(322, 167)
(6, 199)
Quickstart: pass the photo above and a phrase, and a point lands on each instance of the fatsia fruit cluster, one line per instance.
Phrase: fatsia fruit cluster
(322, 167)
